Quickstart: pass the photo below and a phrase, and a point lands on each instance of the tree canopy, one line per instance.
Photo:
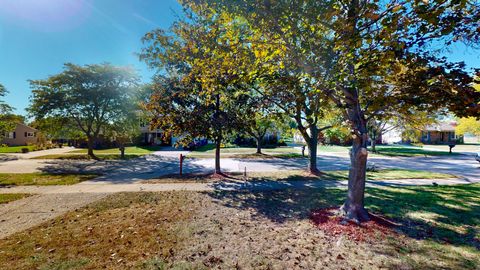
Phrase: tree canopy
(468, 125)
(92, 96)
(200, 89)
(350, 52)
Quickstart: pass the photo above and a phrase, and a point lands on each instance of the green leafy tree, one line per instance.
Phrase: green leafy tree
(7, 119)
(126, 127)
(58, 128)
(203, 91)
(350, 48)
(298, 96)
(92, 96)
(259, 124)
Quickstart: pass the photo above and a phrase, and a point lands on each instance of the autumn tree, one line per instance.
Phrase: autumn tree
(299, 97)
(92, 96)
(348, 48)
(199, 89)
(468, 125)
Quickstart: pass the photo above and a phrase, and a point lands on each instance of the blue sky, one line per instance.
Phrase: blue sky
(38, 36)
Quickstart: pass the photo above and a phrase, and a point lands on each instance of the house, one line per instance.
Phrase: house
(441, 133)
(152, 136)
(22, 135)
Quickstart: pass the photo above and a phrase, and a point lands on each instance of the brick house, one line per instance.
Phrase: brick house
(22, 135)
(441, 133)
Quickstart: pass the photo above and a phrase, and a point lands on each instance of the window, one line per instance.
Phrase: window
(29, 134)
(11, 135)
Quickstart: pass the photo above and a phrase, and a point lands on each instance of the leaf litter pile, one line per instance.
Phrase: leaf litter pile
(328, 220)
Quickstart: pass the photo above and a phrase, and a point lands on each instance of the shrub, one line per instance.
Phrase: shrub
(25, 150)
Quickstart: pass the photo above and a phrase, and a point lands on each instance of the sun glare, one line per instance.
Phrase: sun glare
(45, 15)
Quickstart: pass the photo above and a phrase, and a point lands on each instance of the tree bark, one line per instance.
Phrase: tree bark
(312, 150)
(218, 143)
(353, 208)
(259, 145)
(259, 140)
(374, 143)
(90, 141)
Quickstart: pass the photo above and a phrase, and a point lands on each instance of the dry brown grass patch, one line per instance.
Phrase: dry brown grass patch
(116, 233)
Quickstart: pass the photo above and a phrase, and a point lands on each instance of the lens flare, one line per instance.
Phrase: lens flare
(45, 15)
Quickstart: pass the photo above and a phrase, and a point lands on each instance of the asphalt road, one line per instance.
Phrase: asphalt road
(165, 163)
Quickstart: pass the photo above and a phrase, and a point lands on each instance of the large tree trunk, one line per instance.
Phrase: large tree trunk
(353, 208)
(259, 145)
(312, 150)
(90, 142)
(218, 143)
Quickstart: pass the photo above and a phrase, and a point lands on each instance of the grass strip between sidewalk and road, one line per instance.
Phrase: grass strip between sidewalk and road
(10, 197)
(87, 157)
(17, 149)
(104, 154)
(384, 174)
(42, 179)
(409, 151)
(301, 175)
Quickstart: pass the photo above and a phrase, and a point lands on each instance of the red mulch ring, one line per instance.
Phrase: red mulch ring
(328, 220)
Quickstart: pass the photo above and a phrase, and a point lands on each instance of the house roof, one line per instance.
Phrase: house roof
(442, 126)
(28, 127)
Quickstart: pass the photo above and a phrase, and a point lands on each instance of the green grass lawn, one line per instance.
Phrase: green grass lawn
(208, 151)
(231, 151)
(469, 147)
(79, 156)
(436, 228)
(42, 179)
(333, 148)
(385, 174)
(444, 215)
(16, 149)
(409, 151)
(129, 150)
(389, 174)
(6, 198)
(104, 154)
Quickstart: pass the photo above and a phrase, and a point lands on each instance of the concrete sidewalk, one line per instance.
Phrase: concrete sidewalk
(225, 185)
(22, 214)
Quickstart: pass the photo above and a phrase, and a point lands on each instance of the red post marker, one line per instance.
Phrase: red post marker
(181, 163)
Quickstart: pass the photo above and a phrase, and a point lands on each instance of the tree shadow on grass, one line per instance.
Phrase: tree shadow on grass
(443, 214)
(130, 171)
